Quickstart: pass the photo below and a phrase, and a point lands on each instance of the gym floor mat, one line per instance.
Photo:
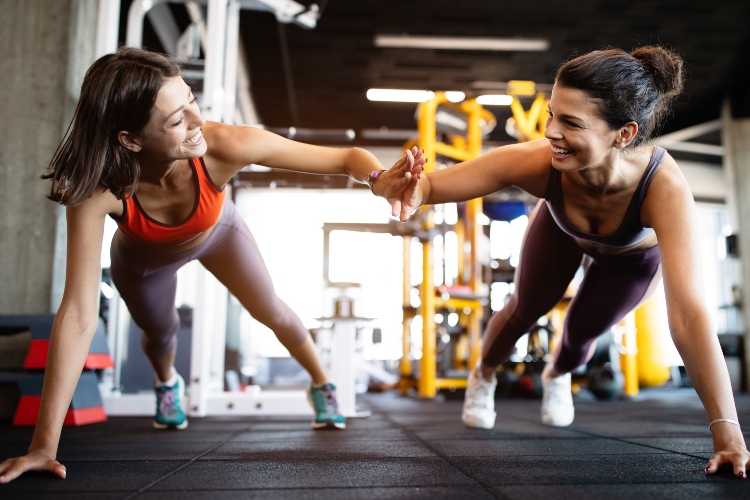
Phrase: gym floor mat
(655, 446)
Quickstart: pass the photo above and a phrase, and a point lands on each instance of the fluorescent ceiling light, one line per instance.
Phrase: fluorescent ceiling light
(386, 133)
(397, 95)
(495, 100)
(453, 96)
(462, 43)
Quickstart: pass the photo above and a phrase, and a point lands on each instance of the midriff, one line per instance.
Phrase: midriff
(165, 248)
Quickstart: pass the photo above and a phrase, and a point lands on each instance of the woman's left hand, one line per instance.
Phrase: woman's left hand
(398, 181)
(736, 456)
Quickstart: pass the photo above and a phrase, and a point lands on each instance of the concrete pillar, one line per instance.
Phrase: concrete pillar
(736, 139)
(43, 51)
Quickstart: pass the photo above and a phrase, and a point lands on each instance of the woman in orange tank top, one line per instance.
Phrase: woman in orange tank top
(139, 151)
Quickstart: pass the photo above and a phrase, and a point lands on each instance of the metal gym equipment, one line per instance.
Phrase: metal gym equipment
(440, 114)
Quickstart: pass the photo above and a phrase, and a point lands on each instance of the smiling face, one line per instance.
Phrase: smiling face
(173, 131)
(577, 133)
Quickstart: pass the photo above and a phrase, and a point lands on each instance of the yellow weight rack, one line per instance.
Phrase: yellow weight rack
(460, 149)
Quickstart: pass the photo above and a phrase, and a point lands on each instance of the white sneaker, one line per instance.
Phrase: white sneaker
(479, 402)
(557, 402)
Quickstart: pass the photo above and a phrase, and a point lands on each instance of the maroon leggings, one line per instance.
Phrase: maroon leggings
(148, 283)
(613, 285)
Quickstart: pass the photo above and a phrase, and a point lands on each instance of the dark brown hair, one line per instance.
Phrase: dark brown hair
(118, 93)
(637, 87)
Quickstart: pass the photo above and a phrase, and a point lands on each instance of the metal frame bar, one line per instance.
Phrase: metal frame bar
(213, 79)
(427, 384)
(107, 27)
(679, 140)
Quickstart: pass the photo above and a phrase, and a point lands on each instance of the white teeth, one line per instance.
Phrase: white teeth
(561, 151)
(194, 139)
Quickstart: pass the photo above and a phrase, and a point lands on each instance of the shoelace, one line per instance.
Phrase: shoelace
(167, 402)
(553, 395)
(479, 394)
(329, 401)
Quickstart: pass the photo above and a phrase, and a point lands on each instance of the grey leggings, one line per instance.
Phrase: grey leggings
(148, 284)
(613, 285)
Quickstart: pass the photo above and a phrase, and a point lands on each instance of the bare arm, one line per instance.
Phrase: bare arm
(670, 210)
(233, 147)
(72, 331)
(526, 165)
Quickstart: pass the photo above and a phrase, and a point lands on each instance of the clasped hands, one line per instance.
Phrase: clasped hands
(399, 184)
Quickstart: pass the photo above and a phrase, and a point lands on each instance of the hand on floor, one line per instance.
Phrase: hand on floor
(34, 461)
(738, 458)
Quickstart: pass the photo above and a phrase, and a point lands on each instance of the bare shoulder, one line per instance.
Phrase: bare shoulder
(229, 144)
(668, 196)
(85, 221)
(217, 134)
(101, 203)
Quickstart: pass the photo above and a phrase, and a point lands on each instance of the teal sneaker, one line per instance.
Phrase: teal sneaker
(169, 406)
(323, 401)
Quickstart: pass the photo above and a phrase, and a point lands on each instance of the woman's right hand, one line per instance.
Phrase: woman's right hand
(399, 184)
(36, 460)
(411, 198)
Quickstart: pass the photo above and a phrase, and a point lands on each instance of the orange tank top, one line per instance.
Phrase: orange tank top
(138, 225)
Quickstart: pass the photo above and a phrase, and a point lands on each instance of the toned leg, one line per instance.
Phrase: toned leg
(148, 285)
(613, 286)
(549, 260)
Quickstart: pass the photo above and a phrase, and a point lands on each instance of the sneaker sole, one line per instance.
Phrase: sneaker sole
(318, 426)
(552, 423)
(179, 427)
(476, 423)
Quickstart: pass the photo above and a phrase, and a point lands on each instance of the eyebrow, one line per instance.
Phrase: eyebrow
(190, 91)
(567, 117)
(571, 117)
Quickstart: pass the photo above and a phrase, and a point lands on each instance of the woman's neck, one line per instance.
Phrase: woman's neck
(611, 175)
(156, 171)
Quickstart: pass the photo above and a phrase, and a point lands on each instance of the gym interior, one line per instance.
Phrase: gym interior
(396, 309)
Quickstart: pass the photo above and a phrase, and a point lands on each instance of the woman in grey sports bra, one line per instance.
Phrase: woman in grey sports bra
(605, 195)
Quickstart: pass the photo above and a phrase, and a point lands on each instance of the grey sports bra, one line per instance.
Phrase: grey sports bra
(630, 232)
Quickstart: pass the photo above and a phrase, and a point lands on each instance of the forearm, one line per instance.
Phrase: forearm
(707, 369)
(69, 345)
(454, 185)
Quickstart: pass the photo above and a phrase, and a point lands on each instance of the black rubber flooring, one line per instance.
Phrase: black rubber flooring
(653, 447)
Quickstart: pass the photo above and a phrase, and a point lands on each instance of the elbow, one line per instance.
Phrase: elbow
(345, 164)
(687, 333)
(679, 338)
(73, 320)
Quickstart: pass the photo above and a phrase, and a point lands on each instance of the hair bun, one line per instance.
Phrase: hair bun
(664, 66)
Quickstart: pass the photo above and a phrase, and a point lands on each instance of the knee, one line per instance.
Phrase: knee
(158, 340)
(275, 315)
(157, 347)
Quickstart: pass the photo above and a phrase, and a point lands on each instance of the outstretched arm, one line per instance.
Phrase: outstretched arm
(670, 210)
(526, 165)
(72, 331)
(230, 148)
